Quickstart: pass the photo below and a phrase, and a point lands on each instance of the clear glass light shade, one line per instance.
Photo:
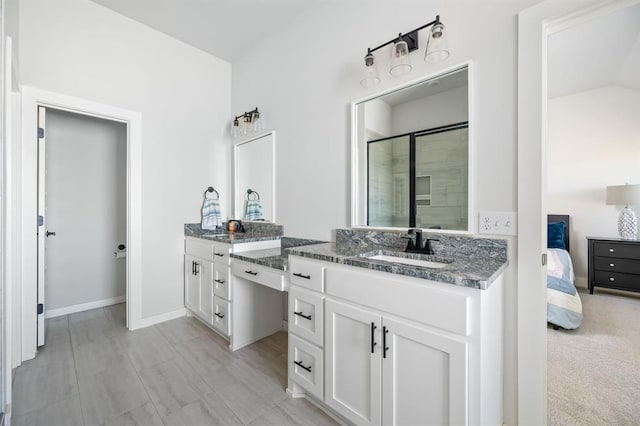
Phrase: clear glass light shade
(370, 76)
(437, 46)
(400, 62)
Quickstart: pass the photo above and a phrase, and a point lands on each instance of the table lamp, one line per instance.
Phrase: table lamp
(625, 195)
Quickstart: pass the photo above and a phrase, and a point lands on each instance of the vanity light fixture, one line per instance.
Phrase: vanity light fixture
(247, 123)
(437, 50)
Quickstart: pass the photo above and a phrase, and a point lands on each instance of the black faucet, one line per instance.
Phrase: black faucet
(418, 247)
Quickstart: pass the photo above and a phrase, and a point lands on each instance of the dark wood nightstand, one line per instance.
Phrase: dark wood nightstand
(614, 263)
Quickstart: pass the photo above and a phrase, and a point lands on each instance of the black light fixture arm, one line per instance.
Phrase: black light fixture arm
(247, 116)
(411, 34)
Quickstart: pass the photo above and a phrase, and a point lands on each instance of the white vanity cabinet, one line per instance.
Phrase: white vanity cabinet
(400, 350)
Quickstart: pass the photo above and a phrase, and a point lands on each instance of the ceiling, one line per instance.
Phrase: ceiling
(224, 28)
(601, 52)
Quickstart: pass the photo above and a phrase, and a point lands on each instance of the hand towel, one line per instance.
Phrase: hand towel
(211, 216)
(253, 210)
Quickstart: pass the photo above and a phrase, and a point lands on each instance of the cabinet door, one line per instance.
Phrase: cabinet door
(205, 273)
(353, 362)
(191, 284)
(424, 377)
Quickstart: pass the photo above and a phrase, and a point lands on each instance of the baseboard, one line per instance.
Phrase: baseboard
(285, 325)
(582, 282)
(58, 312)
(157, 319)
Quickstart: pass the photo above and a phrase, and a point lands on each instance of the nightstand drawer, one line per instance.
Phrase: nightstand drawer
(614, 279)
(613, 264)
(616, 249)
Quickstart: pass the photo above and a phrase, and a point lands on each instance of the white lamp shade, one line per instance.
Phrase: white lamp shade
(623, 195)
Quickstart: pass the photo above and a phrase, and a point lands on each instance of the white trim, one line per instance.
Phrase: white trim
(471, 214)
(167, 316)
(534, 25)
(58, 312)
(31, 98)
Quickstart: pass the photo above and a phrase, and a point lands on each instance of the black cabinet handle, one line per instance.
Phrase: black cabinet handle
(373, 339)
(219, 281)
(197, 268)
(219, 254)
(301, 365)
(48, 233)
(306, 277)
(193, 267)
(300, 314)
(385, 348)
(219, 315)
(251, 273)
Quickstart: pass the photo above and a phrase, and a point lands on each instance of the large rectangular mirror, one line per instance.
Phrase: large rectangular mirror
(254, 171)
(410, 156)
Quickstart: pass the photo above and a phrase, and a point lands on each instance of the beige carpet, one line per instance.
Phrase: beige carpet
(593, 373)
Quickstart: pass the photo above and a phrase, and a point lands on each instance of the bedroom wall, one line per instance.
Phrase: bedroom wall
(594, 141)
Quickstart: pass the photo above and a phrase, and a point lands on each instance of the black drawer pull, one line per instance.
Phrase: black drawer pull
(301, 365)
(373, 338)
(385, 348)
(611, 279)
(300, 314)
(197, 268)
(306, 277)
(219, 315)
(219, 281)
(251, 273)
(219, 254)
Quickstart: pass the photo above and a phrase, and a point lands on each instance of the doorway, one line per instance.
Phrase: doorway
(82, 213)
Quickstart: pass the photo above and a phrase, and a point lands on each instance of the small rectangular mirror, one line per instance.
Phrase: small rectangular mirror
(254, 170)
(410, 156)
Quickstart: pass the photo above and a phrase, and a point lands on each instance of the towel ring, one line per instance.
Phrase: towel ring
(210, 189)
(251, 192)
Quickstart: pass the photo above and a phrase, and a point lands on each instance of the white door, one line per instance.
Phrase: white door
(353, 362)
(424, 377)
(42, 226)
(84, 211)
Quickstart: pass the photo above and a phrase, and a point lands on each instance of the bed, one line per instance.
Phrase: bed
(564, 307)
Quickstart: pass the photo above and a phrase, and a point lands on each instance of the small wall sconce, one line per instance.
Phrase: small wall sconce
(437, 50)
(247, 123)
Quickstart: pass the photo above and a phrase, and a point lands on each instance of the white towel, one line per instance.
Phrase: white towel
(253, 210)
(211, 216)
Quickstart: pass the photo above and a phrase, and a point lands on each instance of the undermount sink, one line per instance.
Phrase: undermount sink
(408, 261)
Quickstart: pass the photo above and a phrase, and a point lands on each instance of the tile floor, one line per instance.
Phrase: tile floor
(92, 371)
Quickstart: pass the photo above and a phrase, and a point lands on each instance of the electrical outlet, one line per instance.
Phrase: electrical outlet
(498, 223)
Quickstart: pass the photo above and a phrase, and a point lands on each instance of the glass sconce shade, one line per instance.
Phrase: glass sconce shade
(437, 46)
(370, 77)
(400, 62)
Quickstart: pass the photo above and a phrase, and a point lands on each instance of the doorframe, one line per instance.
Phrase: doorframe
(535, 24)
(31, 99)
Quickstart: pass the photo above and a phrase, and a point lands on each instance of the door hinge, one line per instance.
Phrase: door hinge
(544, 259)
(40, 308)
(40, 133)
(40, 220)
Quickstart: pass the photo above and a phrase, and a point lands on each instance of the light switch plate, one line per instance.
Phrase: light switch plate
(498, 223)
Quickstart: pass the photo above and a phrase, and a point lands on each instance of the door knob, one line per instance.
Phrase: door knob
(48, 233)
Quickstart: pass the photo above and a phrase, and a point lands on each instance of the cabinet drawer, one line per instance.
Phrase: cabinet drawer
(259, 274)
(201, 249)
(221, 253)
(306, 365)
(307, 273)
(306, 317)
(616, 249)
(221, 284)
(222, 315)
(612, 264)
(618, 280)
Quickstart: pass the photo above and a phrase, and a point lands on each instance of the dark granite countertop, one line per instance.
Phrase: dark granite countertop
(472, 262)
(276, 258)
(255, 231)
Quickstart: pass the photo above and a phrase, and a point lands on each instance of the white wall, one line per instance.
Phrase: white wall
(78, 48)
(306, 90)
(86, 181)
(594, 142)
